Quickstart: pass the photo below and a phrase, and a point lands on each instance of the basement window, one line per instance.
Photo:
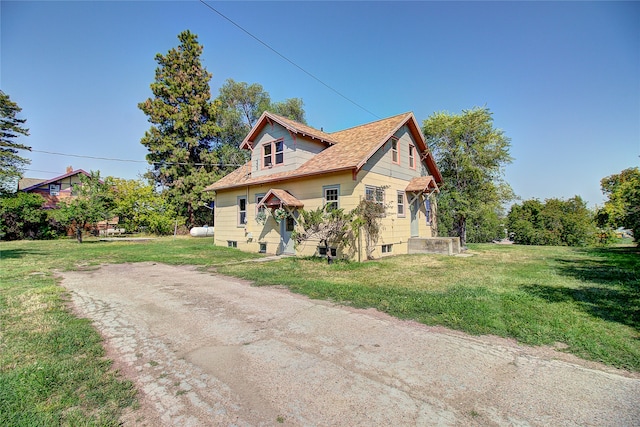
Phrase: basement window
(322, 251)
(232, 243)
(386, 249)
(263, 248)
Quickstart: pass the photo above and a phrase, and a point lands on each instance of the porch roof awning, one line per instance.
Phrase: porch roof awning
(276, 198)
(422, 184)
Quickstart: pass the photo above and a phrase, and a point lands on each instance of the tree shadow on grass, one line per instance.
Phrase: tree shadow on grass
(18, 253)
(611, 290)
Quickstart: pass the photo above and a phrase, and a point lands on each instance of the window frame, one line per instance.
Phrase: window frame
(401, 203)
(376, 191)
(412, 156)
(275, 157)
(325, 200)
(395, 152)
(258, 199)
(54, 189)
(386, 248)
(241, 212)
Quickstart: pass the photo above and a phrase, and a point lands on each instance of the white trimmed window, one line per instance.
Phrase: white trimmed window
(242, 211)
(54, 189)
(330, 196)
(401, 204)
(387, 249)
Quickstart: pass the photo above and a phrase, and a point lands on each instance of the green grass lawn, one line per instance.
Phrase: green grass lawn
(52, 365)
(588, 300)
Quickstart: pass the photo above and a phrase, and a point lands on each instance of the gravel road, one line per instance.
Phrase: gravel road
(205, 349)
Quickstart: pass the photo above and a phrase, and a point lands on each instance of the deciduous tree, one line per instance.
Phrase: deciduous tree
(11, 162)
(622, 209)
(183, 133)
(91, 203)
(22, 217)
(471, 155)
(555, 222)
(241, 104)
(140, 207)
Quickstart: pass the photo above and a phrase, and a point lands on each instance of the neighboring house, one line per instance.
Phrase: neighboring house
(295, 166)
(53, 190)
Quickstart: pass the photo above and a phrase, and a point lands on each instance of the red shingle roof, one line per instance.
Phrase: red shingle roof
(277, 197)
(348, 149)
(422, 184)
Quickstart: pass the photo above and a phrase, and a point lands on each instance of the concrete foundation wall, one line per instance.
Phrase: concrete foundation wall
(434, 245)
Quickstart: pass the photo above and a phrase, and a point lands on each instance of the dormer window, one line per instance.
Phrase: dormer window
(273, 153)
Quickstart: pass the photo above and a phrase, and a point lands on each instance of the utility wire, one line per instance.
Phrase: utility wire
(135, 161)
(288, 60)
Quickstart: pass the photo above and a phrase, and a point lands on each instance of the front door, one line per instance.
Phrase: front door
(415, 208)
(286, 229)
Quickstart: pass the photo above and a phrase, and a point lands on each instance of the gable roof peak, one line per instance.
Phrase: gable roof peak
(291, 125)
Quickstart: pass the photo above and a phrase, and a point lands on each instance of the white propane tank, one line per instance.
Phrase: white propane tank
(201, 231)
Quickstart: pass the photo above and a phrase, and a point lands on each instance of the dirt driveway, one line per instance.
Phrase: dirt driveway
(206, 349)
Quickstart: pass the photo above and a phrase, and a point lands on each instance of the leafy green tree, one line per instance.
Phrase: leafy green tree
(291, 108)
(555, 222)
(140, 207)
(622, 209)
(241, 104)
(22, 217)
(91, 203)
(471, 155)
(184, 128)
(11, 163)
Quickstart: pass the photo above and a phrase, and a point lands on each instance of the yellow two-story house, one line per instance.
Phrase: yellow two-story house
(294, 166)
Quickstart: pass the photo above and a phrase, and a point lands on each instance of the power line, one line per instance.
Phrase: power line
(135, 161)
(89, 157)
(289, 60)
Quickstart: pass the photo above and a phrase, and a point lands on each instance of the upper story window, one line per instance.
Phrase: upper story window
(273, 153)
(375, 194)
(412, 157)
(395, 156)
(330, 196)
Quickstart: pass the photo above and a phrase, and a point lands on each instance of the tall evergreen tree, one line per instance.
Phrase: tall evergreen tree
(471, 155)
(183, 133)
(11, 163)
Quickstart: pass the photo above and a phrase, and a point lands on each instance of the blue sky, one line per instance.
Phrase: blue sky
(561, 78)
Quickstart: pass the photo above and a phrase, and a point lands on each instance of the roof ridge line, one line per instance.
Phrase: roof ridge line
(373, 122)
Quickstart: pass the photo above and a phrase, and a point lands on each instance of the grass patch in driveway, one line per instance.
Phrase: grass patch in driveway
(586, 299)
